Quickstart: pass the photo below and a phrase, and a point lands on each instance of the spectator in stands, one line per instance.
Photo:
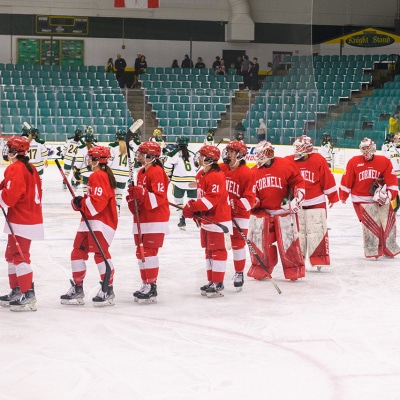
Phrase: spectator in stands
(120, 65)
(238, 64)
(216, 62)
(175, 64)
(136, 71)
(255, 67)
(239, 130)
(245, 72)
(142, 67)
(394, 126)
(222, 67)
(262, 131)
(110, 65)
(187, 62)
(200, 63)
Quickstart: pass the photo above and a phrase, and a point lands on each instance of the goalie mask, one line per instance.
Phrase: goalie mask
(17, 145)
(264, 152)
(367, 148)
(302, 146)
(210, 153)
(89, 130)
(234, 151)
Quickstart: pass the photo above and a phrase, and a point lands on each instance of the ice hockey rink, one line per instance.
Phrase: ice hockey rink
(333, 335)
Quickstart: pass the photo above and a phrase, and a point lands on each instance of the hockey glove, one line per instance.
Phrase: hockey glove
(294, 205)
(76, 203)
(190, 210)
(77, 174)
(236, 206)
(137, 193)
(382, 196)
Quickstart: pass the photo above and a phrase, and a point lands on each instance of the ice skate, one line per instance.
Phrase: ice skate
(138, 291)
(148, 295)
(74, 296)
(118, 210)
(64, 186)
(24, 301)
(5, 300)
(103, 299)
(238, 281)
(204, 288)
(215, 290)
(182, 223)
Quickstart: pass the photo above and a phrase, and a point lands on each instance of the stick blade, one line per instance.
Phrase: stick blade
(136, 125)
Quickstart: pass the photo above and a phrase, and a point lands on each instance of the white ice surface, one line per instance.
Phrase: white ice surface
(334, 335)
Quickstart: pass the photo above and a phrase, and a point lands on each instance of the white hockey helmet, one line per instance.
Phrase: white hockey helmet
(367, 148)
(302, 145)
(264, 151)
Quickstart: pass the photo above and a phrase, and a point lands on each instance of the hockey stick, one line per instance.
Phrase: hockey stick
(130, 132)
(223, 140)
(13, 235)
(132, 129)
(107, 274)
(254, 252)
(200, 217)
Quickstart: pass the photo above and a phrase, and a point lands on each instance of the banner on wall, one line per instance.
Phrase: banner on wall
(368, 37)
(137, 3)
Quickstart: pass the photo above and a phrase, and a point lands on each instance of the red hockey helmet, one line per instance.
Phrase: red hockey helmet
(210, 153)
(151, 149)
(367, 148)
(100, 154)
(18, 145)
(239, 147)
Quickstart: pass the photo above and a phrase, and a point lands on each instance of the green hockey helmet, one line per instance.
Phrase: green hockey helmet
(182, 141)
(120, 135)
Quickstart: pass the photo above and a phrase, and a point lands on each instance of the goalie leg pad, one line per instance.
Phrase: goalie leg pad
(317, 236)
(287, 234)
(388, 219)
(368, 214)
(262, 236)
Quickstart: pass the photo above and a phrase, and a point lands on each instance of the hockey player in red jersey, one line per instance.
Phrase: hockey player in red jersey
(372, 184)
(99, 207)
(320, 185)
(240, 186)
(150, 196)
(212, 203)
(273, 219)
(21, 196)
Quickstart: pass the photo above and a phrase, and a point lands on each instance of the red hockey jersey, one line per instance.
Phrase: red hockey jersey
(274, 183)
(318, 178)
(154, 212)
(99, 206)
(21, 193)
(212, 199)
(240, 186)
(361, 175)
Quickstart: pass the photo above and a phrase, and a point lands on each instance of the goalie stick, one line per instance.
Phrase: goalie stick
(26, 125)
(200, 217)
(133, 128)
(254, 252)
(107, 275)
